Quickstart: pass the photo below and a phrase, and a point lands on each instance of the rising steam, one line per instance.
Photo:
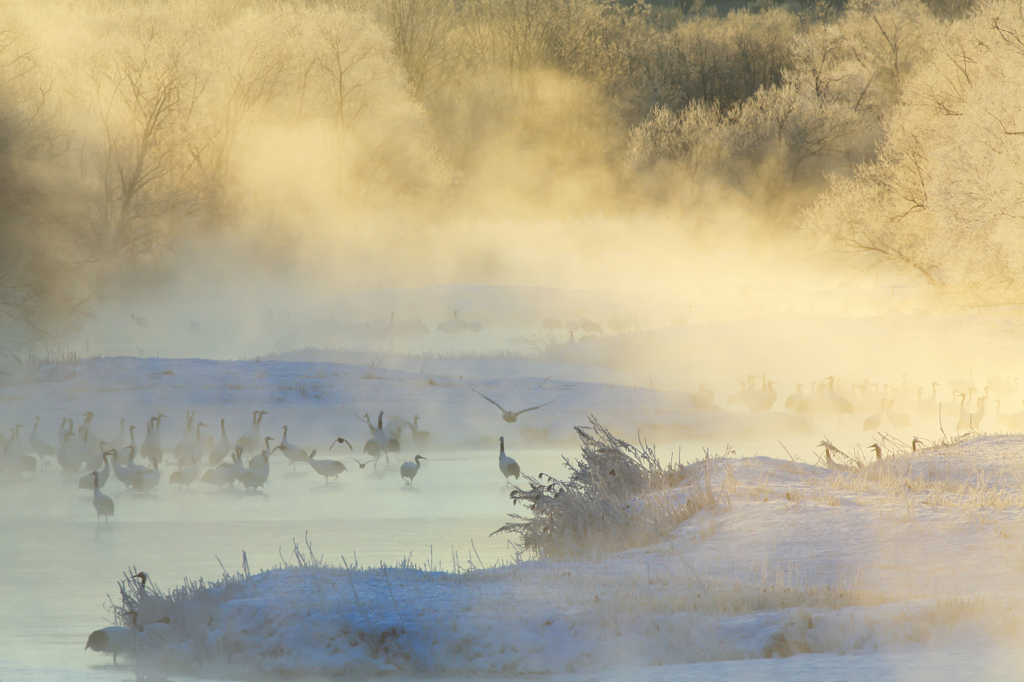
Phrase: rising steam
(574, 144)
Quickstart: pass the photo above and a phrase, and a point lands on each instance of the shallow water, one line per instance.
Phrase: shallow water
(59, 564)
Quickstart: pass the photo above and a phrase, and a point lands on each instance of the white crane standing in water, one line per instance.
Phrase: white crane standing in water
(148, 481)
(420, 438)
(251, 440)
(840, 405)
(259, 469)
(88, 482)
(380, 443)
(126, 474)
(41, 447)
(328, 468)
(410, 469)
(151, 448)
(110, 640)
(509, 467)
(187, 474)
(293, 453)
(900, 420)
(123, 454)
(224, 474)
(874, 421)
(508, 415)
(103, 505)
(223, 447)
(188, 438)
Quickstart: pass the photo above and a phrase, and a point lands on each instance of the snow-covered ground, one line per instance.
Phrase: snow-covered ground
(914, 564)
(921, 552)
(918, 553)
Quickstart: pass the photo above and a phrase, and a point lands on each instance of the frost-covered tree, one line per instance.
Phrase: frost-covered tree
(945, 193)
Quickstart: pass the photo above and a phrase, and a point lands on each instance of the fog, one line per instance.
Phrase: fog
(359, 146)
(767, 192)
(705, 225)
(292, 157)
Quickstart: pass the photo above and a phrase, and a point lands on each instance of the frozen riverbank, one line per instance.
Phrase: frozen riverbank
(920, 552)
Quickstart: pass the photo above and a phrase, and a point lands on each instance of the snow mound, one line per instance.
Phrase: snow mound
(918, 550)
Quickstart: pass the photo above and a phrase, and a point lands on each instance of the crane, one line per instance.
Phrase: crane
(328, 468)
(508, 415)
(103, 505)
(223, 447)
(185, 475)
(410, 469)
(509, 467)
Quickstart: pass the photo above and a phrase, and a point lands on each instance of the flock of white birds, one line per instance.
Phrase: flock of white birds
(959, 404)
(82, 447)
(246, 461)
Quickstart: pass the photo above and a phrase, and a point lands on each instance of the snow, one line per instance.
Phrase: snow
(889, 568)
(803, 560)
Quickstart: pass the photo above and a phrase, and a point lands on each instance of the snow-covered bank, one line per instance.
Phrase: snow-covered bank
(921, 550)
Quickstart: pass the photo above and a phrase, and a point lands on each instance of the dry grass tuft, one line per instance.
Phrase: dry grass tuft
(617, 496)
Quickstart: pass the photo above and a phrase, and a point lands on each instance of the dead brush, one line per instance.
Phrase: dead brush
(617, 496)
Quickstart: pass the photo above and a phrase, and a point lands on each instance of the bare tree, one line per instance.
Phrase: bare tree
(144, 97)
(423, 34)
